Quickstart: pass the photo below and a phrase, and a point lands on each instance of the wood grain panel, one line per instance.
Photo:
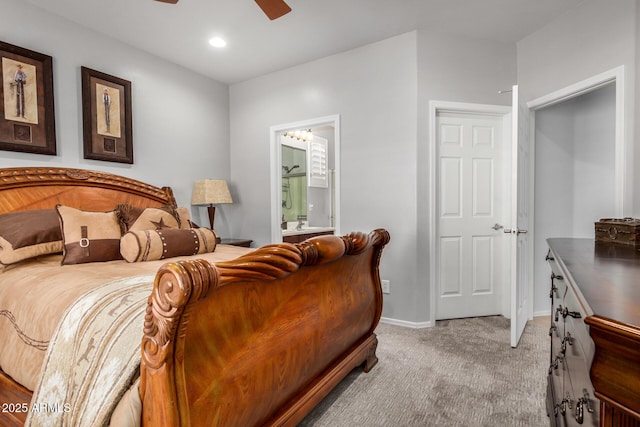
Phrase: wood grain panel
(41, 188)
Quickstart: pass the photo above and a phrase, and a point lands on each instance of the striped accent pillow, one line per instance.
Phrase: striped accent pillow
(150, 245)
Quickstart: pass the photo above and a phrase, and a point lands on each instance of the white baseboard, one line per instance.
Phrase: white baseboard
(420, 325)
(542, 313)
(406, 324)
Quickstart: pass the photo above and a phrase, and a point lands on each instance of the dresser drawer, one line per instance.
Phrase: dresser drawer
(584, 408)
(574, 324)
(570, 394)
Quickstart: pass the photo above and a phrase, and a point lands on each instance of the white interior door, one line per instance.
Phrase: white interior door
(470, 212)
(520, 219)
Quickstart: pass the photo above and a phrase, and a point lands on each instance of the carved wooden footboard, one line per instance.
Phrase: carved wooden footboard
(262, 339)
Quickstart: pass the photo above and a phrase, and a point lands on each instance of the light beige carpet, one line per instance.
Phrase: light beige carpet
(461, 372)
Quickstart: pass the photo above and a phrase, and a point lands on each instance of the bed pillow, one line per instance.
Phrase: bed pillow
(150, 245)
(133, 218)
(27, 234)
(185, 218)
(89, 236)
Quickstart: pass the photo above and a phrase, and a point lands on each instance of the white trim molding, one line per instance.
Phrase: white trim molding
(405, 323)
(435, 107)
(276, 169)
(623, 150)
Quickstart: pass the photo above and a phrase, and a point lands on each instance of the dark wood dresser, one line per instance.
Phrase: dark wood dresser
(594, 372)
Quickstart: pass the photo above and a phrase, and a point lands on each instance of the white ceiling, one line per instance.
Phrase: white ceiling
(314, 29)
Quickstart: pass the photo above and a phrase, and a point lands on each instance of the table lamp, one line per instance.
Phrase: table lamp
(210, 192)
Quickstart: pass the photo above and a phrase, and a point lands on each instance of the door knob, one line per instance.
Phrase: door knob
(497, 226)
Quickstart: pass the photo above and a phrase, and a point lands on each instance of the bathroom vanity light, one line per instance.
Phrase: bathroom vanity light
(300, 134)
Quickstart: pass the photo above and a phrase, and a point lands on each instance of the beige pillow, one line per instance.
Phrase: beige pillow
(150, 245)
(27, 234)
(134, 218)
(89, 236)
(185, 218)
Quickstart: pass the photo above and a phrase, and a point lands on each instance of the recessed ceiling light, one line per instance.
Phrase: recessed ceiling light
(217, 42)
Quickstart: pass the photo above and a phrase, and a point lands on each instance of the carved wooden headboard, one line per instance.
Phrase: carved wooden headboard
(42, 188)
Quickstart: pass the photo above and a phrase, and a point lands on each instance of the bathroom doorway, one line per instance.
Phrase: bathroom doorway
(305, 177)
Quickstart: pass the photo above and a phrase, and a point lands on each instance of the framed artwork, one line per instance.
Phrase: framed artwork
(27, 117)
(106, 113)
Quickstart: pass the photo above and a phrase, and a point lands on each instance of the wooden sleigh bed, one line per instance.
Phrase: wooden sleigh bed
(255, 340)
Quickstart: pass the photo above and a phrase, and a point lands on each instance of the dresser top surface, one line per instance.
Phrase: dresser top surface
(607, 275)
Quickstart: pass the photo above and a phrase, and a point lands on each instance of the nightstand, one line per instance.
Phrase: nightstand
(246, 243)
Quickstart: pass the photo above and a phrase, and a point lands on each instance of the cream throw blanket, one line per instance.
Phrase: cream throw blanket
(93, 357)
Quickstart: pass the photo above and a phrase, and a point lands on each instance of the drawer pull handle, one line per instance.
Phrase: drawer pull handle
(568, 338)
(574, 314)
(564, 404)
(554, 364)
(566, 312)
(580, 411)
(569, 401)
(554, 277)
(565, 340)
(587, 400)
(580, 406)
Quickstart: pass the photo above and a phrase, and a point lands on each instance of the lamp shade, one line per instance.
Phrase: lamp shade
(210, 191)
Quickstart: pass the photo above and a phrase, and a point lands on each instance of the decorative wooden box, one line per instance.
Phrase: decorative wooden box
(625, 231)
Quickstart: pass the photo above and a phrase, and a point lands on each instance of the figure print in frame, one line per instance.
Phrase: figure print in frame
(106, 106)
(27, 119)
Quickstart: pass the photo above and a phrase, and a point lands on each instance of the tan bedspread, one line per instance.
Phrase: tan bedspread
(35, 294)
(93, 356)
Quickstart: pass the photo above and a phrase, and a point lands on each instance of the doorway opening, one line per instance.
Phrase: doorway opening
(580, 165)
(305, 177)
(470, 152)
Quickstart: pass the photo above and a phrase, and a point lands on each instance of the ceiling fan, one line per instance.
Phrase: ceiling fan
(272, 8)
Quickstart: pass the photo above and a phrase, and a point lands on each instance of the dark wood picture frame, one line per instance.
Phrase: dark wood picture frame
(106, 113)
(27, 116)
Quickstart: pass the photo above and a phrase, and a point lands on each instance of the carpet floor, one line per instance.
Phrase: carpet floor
(461, 372)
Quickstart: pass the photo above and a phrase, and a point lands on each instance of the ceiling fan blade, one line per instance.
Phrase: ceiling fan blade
(168, 1)
(274, 8)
